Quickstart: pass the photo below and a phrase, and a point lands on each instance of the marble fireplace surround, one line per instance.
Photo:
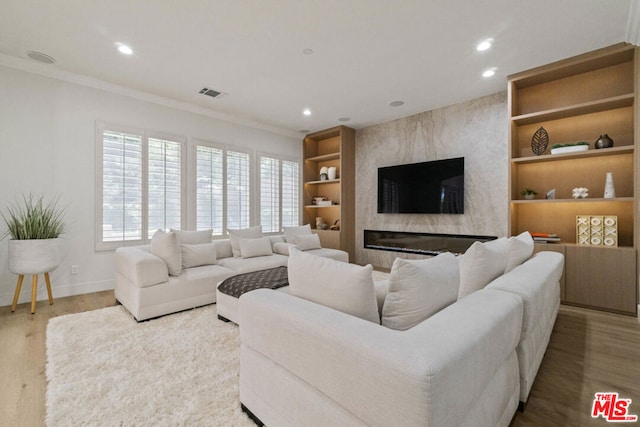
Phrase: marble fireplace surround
(420, 243)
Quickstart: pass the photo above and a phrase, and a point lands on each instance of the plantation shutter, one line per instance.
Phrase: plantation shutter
(238, 180)
(209, 189)
(164, 185)
(270, 194)
(290, 193)
(121, 186)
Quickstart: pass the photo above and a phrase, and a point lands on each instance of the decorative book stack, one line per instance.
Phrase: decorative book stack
(544, 237)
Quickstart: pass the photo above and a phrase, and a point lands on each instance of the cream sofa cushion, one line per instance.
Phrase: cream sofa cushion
(193, 237)
(307, 242)
(345, 287)
(291, 232)
(418, 289)
(482, 263)
(166, 247)
(520, 250)
(250, 248)
(199, 254)
(243, 233)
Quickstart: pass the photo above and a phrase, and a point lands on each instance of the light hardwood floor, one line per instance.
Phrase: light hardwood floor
(589, 352)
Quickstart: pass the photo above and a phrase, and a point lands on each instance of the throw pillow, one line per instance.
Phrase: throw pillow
(193, 237)
(250, 248)
(291, 232)
(520, 249)
(344, 287)
(282, 248)
(307, 242)
(166, 247)
(419, 289)
(197, 255)
(243, 233)
(482, 263)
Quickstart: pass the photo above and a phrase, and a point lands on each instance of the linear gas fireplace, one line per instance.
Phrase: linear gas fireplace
(420, 243)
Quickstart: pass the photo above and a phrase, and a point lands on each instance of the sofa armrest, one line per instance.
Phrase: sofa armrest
(140, 267)
(433, 372)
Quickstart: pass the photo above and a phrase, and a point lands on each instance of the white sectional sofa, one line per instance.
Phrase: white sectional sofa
(303, 363)
(145, 287)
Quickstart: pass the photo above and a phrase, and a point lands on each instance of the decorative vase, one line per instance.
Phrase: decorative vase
(324, 173)
(319, 222)
(34, 256)
(332, 172)
(609, 189)
(603, 142)
(529, 196)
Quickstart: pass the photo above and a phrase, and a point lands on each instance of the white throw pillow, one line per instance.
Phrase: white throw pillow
(250, 248)
(307, 242)
(520, 249)
(243, 233)
(186, 237)
(166, 247)
(291, 232)
(419, 289)
(282, 248)
(199, 254)
(482, 263)
(344, 287)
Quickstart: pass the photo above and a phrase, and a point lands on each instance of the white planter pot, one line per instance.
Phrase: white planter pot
(34, 256)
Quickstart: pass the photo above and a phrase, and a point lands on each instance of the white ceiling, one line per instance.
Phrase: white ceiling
(367, 53)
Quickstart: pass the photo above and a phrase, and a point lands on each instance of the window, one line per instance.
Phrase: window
(140, 186)
(279, 193)
(223, 189)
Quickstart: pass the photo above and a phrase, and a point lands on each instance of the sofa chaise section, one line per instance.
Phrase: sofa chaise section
(306, 364)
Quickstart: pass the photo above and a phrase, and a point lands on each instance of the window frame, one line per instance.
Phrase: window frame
(280, 158)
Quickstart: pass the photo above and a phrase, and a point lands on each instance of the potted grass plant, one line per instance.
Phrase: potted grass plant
(34, 227)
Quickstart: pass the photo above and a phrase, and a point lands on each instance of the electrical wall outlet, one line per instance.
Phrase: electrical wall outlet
(75, 269)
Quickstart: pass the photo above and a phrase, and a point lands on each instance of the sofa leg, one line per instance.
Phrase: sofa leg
(521, 406)
(224, 319)
(251, 416)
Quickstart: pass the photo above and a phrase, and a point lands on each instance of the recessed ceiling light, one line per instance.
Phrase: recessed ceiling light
(307, 51)
(344, 119)
(484, 45)
(396, 103)
(40, 57)
(306, 112)
(489, 73)
(124, 49)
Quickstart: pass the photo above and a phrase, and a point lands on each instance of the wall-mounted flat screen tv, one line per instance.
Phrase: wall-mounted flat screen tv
(435, 187)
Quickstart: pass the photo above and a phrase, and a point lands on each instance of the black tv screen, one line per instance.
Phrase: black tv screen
(435, 187)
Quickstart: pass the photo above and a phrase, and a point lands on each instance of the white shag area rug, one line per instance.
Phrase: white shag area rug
(104, 368)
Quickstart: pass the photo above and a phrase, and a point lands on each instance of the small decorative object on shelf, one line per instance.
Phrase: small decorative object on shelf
(319, 222)
(597, 230)
(551, 194)
(604, 141)
(542, 237)
(332, 173)
(324, 173)
(323, 203)
(529, 194)
(540, 141)
(569, 148)
(317, 199)
(336, 225)
(580, 193)
(609, 189)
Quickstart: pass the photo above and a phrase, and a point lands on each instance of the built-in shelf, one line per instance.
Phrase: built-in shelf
(321, 207)
(323, 158)
(587, 200)
(576, 155)
(326, 181)
(575, 110)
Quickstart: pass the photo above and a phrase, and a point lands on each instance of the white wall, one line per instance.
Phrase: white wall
(476, 130)
(47, 146)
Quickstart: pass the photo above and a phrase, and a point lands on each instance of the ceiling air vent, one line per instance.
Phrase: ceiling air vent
(212, 93)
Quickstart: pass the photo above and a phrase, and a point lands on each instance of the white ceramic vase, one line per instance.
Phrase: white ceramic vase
(609, 189)
(34, 256)
(332, 172)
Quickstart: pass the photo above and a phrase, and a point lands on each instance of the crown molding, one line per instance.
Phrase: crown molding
(633, 24)
(78, 79)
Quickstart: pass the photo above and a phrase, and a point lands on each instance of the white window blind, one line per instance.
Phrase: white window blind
(209, 189)
(270, 194)
(164, 185)
(238, 196)
(122, 187)
(290, 193)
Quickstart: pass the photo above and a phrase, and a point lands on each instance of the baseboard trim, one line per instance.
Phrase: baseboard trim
(59, 291)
